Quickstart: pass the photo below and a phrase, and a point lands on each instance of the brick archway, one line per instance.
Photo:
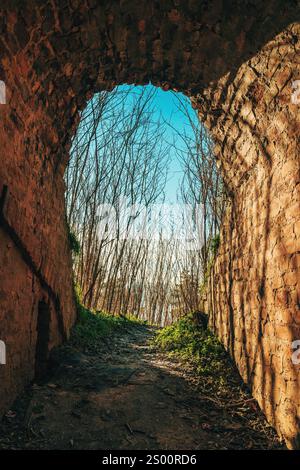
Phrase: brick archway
(237, 61)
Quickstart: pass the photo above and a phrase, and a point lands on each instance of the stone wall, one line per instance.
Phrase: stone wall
(254, 297)
(237, 60)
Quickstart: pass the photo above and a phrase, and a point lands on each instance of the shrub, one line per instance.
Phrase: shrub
(188, 341)
(214, 244)
(73, 242)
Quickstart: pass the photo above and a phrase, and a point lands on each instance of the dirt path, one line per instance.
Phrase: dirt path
(129, 397)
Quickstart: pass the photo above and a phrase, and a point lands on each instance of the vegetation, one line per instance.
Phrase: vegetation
(73, 242)
(120, 158)
(188, 341)
(213, 250)
(94, 326)
(214, 244)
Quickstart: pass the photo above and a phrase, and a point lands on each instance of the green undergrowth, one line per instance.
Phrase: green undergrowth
(93, 328)
(188, 341)
(73, 241)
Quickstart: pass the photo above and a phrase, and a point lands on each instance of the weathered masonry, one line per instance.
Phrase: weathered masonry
(238, 61)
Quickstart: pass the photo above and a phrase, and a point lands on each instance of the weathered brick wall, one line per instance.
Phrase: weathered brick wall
(254, 297)
(53, 56)
(34, 254)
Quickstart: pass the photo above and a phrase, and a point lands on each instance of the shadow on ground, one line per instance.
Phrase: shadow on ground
(132, 397)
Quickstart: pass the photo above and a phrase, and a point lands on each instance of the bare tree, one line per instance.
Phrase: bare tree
(120, 157)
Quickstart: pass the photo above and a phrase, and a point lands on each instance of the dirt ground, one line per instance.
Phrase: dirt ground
(130, 396)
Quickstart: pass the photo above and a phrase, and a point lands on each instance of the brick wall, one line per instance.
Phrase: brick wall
(237, 60)
(254, 297)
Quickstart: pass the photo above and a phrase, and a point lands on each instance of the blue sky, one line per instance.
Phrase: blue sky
(165, 105)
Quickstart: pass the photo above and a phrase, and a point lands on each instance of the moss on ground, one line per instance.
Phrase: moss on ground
(190, 342)
(94, 327)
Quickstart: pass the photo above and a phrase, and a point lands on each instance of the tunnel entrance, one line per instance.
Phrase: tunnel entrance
(42, 341)
(142, 157)
(239, 63)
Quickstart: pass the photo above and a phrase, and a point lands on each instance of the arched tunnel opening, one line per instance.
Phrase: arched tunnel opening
(238, 63)
(144, 204)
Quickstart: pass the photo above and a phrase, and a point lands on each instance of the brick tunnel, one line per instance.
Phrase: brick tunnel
(238, 61)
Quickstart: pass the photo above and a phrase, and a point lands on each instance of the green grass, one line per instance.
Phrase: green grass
(94, 327)
(190, 342)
